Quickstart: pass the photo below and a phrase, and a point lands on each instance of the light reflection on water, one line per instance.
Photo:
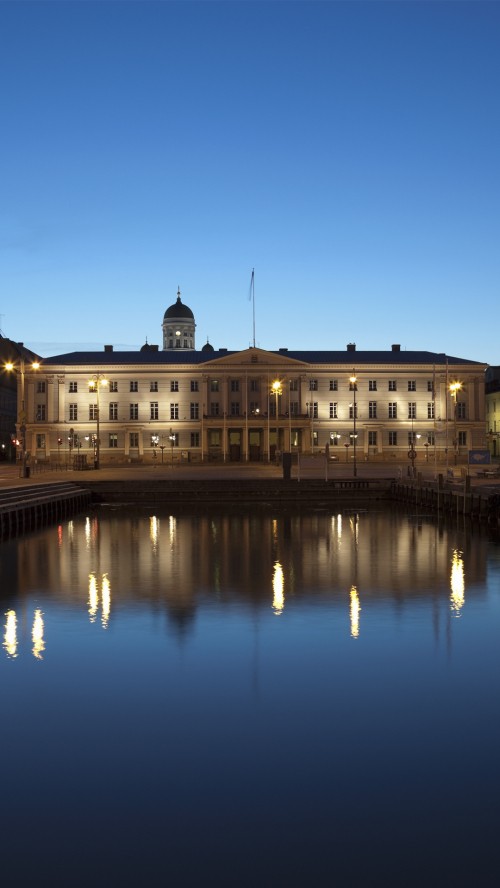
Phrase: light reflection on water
(180, 717)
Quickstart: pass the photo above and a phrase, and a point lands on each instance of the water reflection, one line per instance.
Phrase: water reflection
(37, 635)
(278, 589)
(10, 634)
(93, 599)
(457, 583)
(176, 563)
(354, 612)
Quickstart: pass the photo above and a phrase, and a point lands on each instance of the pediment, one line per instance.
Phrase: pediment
(256, 357)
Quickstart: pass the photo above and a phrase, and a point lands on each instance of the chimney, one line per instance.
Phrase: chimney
(351, 346)
(108, 348)
(396, 348)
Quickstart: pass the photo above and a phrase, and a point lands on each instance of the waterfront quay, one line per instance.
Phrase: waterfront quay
(52, 493)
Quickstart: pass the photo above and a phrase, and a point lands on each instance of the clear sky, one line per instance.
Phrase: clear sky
(349, 152)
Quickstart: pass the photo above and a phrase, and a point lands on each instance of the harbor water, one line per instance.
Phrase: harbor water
(250, 698)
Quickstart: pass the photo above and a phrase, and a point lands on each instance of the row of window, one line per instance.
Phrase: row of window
(254, 385)
(312, 410)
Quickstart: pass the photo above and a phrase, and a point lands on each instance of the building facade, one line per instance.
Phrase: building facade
(180, 404)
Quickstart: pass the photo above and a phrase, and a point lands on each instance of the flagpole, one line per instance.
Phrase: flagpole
(252, 284)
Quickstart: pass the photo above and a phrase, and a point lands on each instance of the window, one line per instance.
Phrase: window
(412, 385)
(174, 411)
(73, 386)
(393, 439)
(153, 386)
(134, 386)
(460, 409)
(113, 441)
(431, 438)
(334, 385)
(312, 410)
(40, 412)
(235, 385)
(134, 413)
(235, 408)
(351, 411)
(372, 439)
(195, 439)
(334, 410)
(430, 409)
(412, 439)
(294, 385)
(133, 439)
(393, 410)
(353, 386)
(462, 439)
(294, 408)
(93, 411)
(194, 385)
(313, 385)
(194, 410)
(214, 385)
(254, 407)
(174, 385)
(392, 385)
(73, 412)
(153, 410)
(254, 385)
(113, 410)
(430, 385)
(214, 408)
(372, 410)
(40, 442)
(372, 385)
(174, 439)
(40, 387)
(412, 410)
(113, 386)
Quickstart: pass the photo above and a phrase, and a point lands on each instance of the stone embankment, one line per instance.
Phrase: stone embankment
(239, 492)
(31, 507)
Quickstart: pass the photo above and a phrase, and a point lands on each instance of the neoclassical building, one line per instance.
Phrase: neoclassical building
(182, 403)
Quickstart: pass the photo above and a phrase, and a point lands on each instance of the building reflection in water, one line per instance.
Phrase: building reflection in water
(176, 563)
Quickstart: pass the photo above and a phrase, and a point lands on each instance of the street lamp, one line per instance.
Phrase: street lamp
(277, 389)
(155, 439)
(10, 366)
(171, 438)
(455, 387)
(95, 382)
(353, 381)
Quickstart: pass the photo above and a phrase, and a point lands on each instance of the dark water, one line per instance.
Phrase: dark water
(246, 699)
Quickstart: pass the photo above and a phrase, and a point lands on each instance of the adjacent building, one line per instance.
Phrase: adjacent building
(179, 403)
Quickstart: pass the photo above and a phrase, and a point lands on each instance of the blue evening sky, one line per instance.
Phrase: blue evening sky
(348, 151)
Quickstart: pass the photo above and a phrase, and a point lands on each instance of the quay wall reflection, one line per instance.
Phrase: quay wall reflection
(116, 558)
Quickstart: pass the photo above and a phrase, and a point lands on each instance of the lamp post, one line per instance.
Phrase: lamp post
(455, 387)
(277, 389)
(10, 366)
(154, 441)
(353, 381)
(171, 438)
(95, 382)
